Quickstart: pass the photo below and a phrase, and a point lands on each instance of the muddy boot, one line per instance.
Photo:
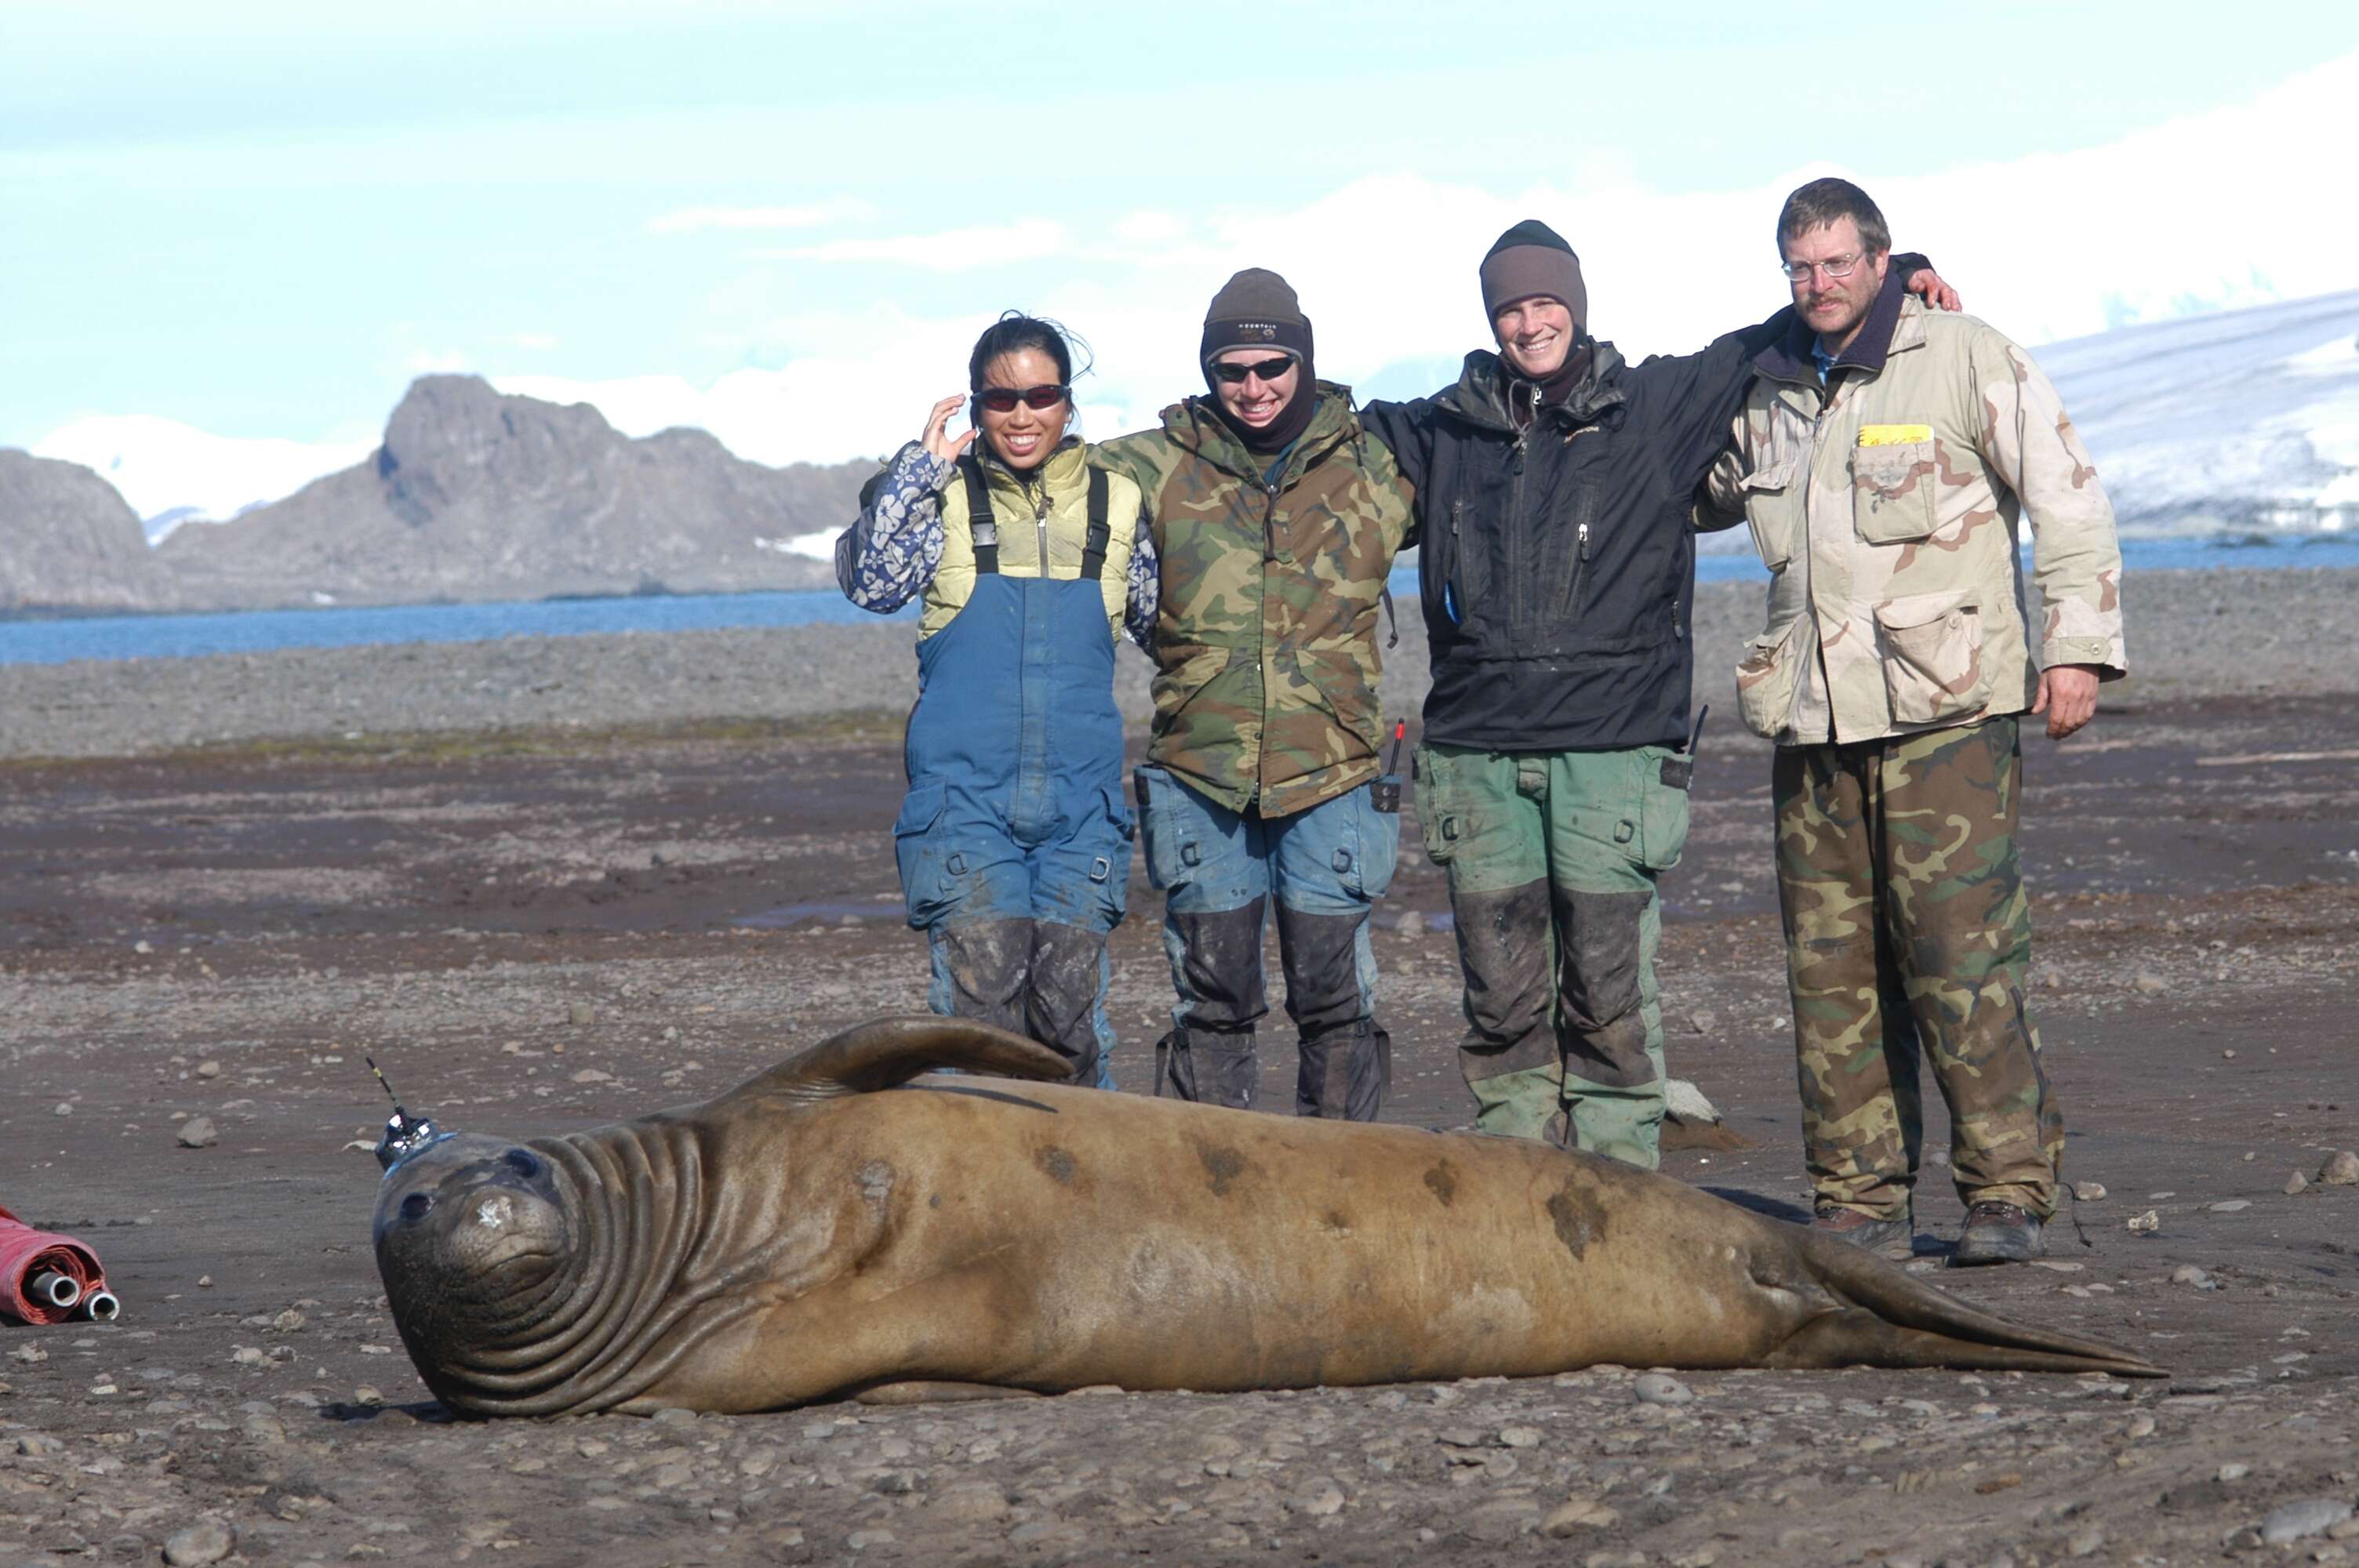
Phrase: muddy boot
(1345, 1074)
(1212, 1066)
(1864, 1230)
(1998, 1233)
(1527, 1103)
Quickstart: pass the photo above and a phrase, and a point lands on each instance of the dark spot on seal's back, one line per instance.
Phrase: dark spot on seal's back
(1057, 1163)
(1336, 1220)
(1578, 1219)
(1441, 1182)
(1221, 1163)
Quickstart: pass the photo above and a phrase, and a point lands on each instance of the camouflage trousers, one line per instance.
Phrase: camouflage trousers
(1905, 920)
(1553, 858)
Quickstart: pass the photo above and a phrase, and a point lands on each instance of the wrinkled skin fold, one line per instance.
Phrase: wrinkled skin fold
(831, 1229)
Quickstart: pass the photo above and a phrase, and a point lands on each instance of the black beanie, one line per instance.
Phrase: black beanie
(1530, 259)
(1255, 308)
(1258, 309)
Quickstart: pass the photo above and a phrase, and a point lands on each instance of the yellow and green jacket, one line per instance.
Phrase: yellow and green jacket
(913, 537)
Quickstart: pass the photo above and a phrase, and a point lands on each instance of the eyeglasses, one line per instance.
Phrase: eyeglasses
(1268, 369)
(1004, 399)
(1835, 267)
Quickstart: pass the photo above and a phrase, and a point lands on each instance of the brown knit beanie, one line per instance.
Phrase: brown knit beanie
(1256, 309)
(1531, 259)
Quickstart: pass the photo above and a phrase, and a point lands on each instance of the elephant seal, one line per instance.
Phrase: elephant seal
(810, 1236)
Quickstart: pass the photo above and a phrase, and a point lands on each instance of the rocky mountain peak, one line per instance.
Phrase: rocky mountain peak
(67, 538)
(452, 438)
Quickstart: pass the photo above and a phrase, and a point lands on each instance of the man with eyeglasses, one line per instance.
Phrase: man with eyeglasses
(1885, 459)
(1277, 521)
(1553, 484)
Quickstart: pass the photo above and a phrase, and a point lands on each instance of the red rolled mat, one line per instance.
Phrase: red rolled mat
(25, 1252)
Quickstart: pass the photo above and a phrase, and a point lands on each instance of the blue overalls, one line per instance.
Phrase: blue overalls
(1013, 841)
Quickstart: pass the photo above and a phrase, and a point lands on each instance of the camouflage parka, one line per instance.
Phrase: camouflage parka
(1265, 639)
(1888, 505)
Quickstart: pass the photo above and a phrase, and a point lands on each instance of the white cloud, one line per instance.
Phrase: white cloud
(2198, 213)
(694, 220)
(955, 250)
(162, 466)
(438, 362)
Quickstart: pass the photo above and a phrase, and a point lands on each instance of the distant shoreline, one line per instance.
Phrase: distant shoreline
(2226, 632)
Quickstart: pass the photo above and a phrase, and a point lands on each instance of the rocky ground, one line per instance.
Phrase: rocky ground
(538, 929)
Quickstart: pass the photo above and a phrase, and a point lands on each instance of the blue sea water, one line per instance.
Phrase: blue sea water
(50, 642)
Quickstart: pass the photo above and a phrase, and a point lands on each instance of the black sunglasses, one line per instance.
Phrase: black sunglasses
(1004, 399)
(1268, 369)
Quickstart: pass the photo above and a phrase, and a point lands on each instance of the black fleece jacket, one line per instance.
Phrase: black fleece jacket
(1558, 564)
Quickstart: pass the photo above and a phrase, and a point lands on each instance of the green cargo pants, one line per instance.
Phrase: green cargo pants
(1906, 919)
(1553, 858)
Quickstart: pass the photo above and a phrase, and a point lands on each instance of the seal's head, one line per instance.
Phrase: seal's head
(472, 1235)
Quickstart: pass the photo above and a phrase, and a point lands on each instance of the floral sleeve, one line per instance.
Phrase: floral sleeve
(891, 551)
(1145, 587)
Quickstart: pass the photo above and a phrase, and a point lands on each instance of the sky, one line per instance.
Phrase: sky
(231, 234)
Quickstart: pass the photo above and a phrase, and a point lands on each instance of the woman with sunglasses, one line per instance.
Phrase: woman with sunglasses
(1013, 840)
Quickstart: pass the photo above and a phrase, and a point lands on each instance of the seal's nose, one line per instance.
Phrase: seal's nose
(493, 1211)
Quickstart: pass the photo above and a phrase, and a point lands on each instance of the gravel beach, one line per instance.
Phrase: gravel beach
(537, 928)
(2192, 634)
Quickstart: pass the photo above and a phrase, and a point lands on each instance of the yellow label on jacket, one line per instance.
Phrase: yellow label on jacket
(1894, 435)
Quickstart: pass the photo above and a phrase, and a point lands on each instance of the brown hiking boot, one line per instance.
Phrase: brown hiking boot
(1998, 1233)
(1864, 1230)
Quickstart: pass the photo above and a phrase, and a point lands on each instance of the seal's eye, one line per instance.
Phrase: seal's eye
(522, 1163)
(415, 1206)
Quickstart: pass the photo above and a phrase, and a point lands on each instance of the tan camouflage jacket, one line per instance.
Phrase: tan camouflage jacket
(1889, 505)
(1265, 640)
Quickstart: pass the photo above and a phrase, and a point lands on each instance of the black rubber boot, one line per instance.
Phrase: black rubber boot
(1345, 1072)
(989, 962)
(1214, 1066)
(1060, 1000)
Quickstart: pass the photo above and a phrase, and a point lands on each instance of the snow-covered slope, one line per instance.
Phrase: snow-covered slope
(172, 474)
(2245, 421)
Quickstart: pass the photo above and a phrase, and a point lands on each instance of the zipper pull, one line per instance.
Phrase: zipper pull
(1584, 541)
(1457, 511)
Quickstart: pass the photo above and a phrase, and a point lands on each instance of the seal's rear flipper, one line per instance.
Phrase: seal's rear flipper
(888, 1051)
(1858, 1337)
(1895, 1321)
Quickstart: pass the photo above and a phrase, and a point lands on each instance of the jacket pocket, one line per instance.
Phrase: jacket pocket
(1770, 512)
(1933, 657)
(1764, 680)
(1892, 492)
(1338, 686)
(1189, 671)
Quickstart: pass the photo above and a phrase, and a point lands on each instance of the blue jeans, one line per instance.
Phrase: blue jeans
(1222, 872)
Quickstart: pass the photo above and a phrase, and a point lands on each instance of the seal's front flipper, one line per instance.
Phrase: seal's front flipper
(888, 1051)
(917, 1393)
